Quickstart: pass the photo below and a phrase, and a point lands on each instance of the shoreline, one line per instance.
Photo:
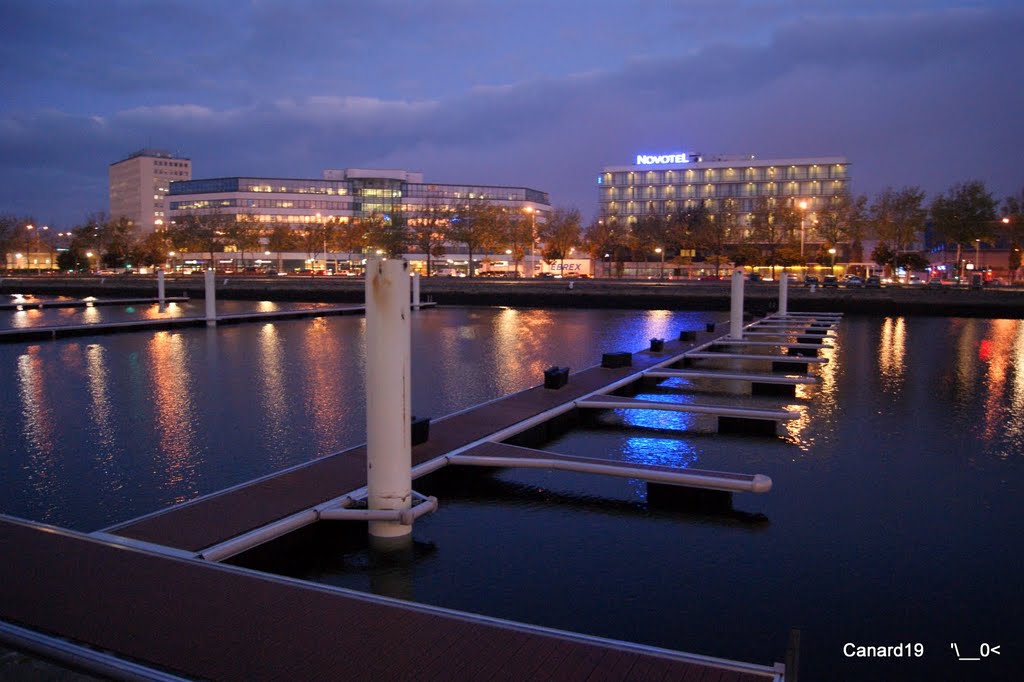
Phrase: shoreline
(946, 301)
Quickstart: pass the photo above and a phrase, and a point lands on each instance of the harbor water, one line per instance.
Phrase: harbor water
(894, 516)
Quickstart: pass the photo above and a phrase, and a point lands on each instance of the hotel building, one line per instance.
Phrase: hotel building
(666, 184)
(139, 183)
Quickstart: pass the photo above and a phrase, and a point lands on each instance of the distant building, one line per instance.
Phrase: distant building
(666, 184)
(139, 183)
(343, 194)
(346, 195)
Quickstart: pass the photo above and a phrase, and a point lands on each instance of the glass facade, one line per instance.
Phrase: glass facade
(363, 196)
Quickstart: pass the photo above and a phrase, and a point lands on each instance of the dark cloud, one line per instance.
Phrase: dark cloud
(916, 97)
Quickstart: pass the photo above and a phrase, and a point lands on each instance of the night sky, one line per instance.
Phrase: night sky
(536, 94)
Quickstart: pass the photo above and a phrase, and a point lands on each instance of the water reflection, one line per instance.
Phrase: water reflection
(175, 413)
(666, 452)
(273, 387)
(38, 427)
(90, 314)
(326, 400)
(966, 374)
(100, 410)
(659, 419)
(892, 349)
(521, 338)
(658, 324)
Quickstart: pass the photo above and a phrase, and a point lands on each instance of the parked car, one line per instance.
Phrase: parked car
(935, 283)
(830, 281)
(810, 279)
(873, 282)
(853, 281)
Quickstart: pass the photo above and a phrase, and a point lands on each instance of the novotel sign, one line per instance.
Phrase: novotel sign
(650, 159)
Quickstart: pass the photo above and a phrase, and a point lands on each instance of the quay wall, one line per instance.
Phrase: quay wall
(945, 301)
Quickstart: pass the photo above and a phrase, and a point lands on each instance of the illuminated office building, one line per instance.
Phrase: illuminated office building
(342, 194)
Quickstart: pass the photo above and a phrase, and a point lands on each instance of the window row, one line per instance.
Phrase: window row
(791, 189)
(670, 177)
(712, 205)
(259, 203)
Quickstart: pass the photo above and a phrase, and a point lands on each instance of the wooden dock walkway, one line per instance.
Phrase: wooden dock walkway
(202, 620)
(151, 589)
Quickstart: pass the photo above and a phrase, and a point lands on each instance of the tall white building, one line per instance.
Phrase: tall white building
(139, 183)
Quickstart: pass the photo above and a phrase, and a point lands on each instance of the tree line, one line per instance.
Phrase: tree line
(776, 233)
(481, 228)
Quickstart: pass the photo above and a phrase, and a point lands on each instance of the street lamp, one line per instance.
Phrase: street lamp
(832, 252)
(803, 226)
(88, 260)
(977, 257)
(532, 239)
(608, 265)
(661, 272)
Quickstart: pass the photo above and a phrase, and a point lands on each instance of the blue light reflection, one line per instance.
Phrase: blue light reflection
(665, 452)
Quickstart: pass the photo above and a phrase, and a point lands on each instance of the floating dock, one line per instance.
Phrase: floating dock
(153, 589)
(33, 304)
(68, 330)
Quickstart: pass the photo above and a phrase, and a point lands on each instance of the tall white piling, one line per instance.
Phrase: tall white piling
(736, 306)
(784, 294)
(160, 290)
(416, 291)
(211, 299)
(388, 393)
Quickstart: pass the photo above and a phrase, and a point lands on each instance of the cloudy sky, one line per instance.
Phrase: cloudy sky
(541, 94)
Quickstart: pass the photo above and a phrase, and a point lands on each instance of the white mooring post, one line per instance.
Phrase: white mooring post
(784, 294)
(160, 291)
(211, 299)
(416, 291)
(736, 306)
(388, 394)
